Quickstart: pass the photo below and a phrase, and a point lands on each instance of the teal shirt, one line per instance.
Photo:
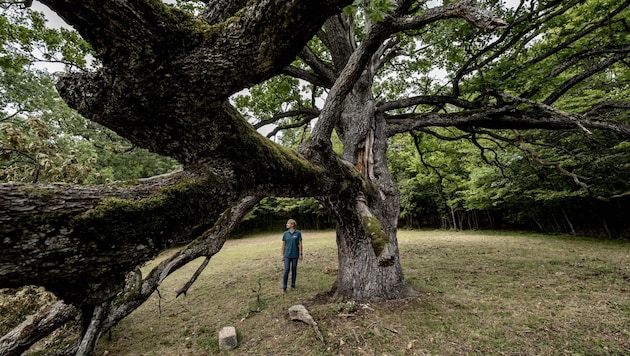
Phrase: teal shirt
(292, 241)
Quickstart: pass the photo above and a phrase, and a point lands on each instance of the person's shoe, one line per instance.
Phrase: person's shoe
(293, 289)
(284, 290)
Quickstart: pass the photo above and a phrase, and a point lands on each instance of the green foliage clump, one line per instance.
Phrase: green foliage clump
(449, 179)
(41, 138)
(348, 307)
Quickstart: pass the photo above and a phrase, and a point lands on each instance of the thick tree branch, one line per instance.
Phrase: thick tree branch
(308, 112)
(136, 29)
(172, 101)
(384, 54)
(347, 79)
(499, 118)
(465, 9)
(206, 245)
(219, 234)
(63, 237)
(93, 330)
(36, 327)
(311, 77)
(217, 11)
(548, 108)
(305, 120)
(338, 35)
(621, 54)
(435, 100)
(79, 242)
(307, 115)
(320, 68)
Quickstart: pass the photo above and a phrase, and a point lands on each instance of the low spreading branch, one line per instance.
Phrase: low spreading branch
(36, 327)
(110, 312)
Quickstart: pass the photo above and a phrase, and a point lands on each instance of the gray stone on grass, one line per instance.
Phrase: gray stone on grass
(299, 312)
(227, 338)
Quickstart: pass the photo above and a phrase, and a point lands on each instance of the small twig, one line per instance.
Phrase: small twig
(390, 330)
(25, 3)
(29, 160)
(159, 303)
(258, 300)
(193, 278)
(356, 337)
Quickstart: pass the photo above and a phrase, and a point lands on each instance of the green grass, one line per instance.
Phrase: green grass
(478, 294)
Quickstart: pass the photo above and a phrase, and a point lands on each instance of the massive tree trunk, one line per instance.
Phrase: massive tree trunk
(367, 218)
(369, 262)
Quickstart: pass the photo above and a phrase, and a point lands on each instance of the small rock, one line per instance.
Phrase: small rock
(299, 312)
(227, 338)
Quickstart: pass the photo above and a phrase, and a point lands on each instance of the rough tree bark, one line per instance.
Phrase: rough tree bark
(44, 322)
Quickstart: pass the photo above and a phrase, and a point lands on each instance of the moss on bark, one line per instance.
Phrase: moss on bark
(376, 234)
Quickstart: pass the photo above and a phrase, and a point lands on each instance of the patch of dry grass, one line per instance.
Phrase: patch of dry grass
(478, 293)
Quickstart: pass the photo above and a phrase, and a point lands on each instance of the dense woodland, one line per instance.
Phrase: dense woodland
(190, 122)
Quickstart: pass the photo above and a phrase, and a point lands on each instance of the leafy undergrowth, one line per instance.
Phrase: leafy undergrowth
(477, 293)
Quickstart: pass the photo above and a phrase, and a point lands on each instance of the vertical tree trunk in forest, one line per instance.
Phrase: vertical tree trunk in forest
(568, 220)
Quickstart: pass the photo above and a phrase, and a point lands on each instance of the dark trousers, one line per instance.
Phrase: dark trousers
(289, 264)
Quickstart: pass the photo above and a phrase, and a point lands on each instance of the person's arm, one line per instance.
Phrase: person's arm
(283, 246)
(300, 248)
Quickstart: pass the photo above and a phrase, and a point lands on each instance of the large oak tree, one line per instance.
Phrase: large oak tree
(165, 83)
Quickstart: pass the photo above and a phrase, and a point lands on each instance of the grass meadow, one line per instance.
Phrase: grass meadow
(478, 293)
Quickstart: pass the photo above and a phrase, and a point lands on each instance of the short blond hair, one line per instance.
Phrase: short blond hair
(292, 222)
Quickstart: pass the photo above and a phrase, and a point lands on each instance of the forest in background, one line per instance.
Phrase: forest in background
(452, 185)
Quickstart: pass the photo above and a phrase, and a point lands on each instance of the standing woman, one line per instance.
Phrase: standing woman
(291, 252)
